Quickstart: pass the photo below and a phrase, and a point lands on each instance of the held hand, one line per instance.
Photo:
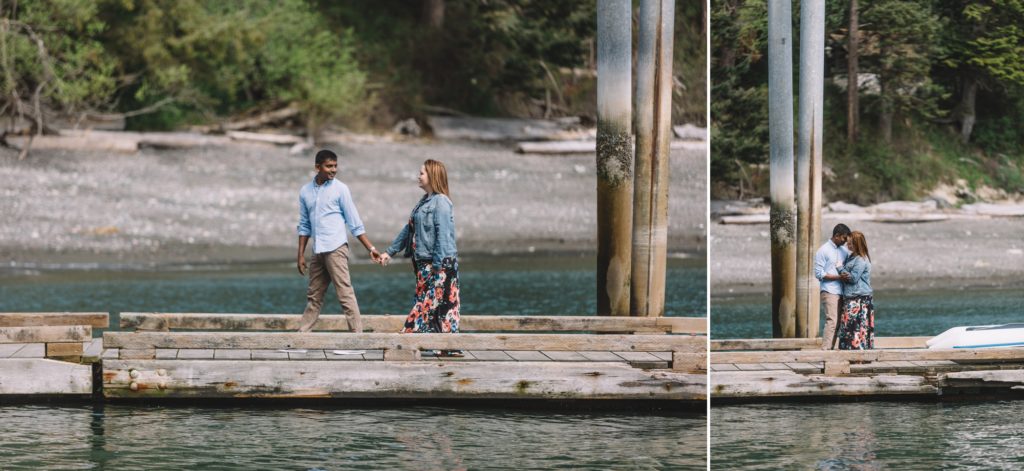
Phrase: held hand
(845, 277)
(383, 259)
(302, 265)
(374, 255)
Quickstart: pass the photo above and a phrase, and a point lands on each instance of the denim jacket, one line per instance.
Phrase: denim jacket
(434, 221)
(859, 269)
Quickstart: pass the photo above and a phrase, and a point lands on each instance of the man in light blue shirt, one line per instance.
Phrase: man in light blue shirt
(326, 209)
(827, 262)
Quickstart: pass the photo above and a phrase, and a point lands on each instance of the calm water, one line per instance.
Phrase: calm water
(868, 436)
(872, 435)
(141, 437)
(898, 313)
(339, 437)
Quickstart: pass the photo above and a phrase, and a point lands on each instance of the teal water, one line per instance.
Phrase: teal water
(868, 436)
(340, 436)
(898, 313)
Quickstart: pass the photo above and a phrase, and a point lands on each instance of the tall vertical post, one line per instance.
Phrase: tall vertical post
(808, 163)
(653, 123)
(780, 124)
(614, 156)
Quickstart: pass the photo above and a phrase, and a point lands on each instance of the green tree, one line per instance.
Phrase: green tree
(900, 42)
(985, 44)
(52, 62)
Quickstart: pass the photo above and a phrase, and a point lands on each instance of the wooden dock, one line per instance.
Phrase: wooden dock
(755, 370)
(48, 354)
(247, 356)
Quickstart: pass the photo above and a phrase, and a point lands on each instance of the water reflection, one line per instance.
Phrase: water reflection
(187, 437)
(868, 436)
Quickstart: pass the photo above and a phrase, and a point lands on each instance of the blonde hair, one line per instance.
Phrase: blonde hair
(858, 245)
(438, 177)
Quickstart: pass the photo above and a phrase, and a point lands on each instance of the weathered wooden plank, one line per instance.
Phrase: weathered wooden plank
(375, 355)
(775, 366)
(764, 384)
(273, 355)
(232, 354)
(166, 354)
(30, 350)
(490, 355)
(112, 353)
(8, 349)
(750, 367)
(764, 344)
(637, 356)
(989, 378)
(804, 367)
(31, 376)
(723, 367)
(347, 341)
(314, 355)
(393, 323)
(809, 344)
(29, 319)
(195, 353)
(690, 362)
(93, 349)
(62, 349)
(901, 342)
(527, 356)
(380, 379)
(959, 355)
(136, 353)
(566, 356)
(603, 356)
(666, 356)
(44, 334)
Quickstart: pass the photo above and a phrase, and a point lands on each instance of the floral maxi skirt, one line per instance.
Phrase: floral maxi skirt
(436, 306)
(857, 323)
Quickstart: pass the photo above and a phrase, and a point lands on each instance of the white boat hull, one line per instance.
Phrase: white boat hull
(985, 336)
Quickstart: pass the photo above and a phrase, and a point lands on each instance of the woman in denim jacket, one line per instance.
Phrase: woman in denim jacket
(429, 239)
(857, 318)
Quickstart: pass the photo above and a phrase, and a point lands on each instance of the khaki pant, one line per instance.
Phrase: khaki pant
(830, 302)
(326, 268)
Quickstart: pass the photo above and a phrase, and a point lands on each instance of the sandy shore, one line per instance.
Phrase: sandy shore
(239, 203)
(955, 253)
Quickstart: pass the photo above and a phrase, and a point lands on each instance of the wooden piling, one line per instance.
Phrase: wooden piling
(780, 122)
(809, 162)
(653, 124)
(614, 156)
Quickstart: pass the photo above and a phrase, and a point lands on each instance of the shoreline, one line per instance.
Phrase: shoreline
(238, 203)
(954, 254)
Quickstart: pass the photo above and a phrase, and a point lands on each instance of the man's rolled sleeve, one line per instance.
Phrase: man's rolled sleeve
(820, 260)
(303, 227)
(352, 220)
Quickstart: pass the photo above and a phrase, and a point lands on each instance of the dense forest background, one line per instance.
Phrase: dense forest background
(940, 97)
(168, 64)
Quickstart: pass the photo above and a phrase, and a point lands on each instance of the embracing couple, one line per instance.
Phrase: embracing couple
(843, 266)
(326, 210)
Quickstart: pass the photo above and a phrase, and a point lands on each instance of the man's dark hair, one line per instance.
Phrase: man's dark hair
(326, 155)
(840, 229)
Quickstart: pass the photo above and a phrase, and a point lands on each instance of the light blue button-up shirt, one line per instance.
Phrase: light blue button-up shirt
(827, 261)
(324, 212)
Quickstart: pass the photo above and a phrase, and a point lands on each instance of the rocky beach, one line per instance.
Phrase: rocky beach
(238, 203)
(950, 249)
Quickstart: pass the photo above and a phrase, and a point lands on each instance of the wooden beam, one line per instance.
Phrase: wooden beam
(861, 356)
(68, 349)
(348, 341)
(36, 376)
(393, 323)
(394, 379)
(29, 319)
(809, 344)
(45, 334)
(764, 384)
